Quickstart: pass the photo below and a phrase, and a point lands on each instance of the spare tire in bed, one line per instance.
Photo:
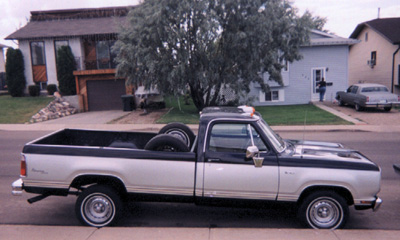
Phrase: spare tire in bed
(179, 130)
(166, 143)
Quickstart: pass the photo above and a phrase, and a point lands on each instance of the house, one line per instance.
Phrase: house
(90, 33)
(2, 67)
(2, 62)
(326, 56)
(376, 59)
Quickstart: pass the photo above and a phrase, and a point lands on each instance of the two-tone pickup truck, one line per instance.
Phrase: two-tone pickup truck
(235, 156)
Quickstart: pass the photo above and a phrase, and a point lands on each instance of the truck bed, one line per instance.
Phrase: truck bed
(77, 142)
(77, 137)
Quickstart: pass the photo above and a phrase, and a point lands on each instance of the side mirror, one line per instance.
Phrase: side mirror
(252, 152)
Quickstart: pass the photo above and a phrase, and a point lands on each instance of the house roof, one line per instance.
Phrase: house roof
(68, 28)
(72, 23)
(324, 39)
(387, 27)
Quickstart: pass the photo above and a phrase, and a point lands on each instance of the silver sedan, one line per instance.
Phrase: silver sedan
(365, 95)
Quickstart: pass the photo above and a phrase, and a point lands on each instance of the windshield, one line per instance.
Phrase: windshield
(274, 138)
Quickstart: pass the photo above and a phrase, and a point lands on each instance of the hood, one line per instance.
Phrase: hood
(325, 151)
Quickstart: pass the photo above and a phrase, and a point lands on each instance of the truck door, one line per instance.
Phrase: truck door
(227, 171)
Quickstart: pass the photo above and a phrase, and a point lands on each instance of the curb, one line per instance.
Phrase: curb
(88, 233)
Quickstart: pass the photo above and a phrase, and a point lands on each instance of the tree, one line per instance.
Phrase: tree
(65, 68)
(317, 22)
(205, 45)
(15, 71)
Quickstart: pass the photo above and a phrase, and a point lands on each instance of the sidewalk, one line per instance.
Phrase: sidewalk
(88, 233)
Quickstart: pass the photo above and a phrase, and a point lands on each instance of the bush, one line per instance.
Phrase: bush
(34, 90)
(15, 69)
(51, 89)
(65, 68)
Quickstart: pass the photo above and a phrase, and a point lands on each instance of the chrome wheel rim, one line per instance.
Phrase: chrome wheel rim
(98, 209)
(324, 213)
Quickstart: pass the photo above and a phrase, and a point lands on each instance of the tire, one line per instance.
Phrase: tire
(166, 143)
(387, 109)
(98, 206)
(340, 102)
(179, 130)
(358, 107)
(324, 210)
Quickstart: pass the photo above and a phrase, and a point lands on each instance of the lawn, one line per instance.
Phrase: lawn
(180, 112)
(20, 109)
(274, 115)
(307, 114)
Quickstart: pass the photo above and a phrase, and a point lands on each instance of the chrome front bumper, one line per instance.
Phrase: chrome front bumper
(17, 187)
(377, 204)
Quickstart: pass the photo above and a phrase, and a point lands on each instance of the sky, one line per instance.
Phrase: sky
(343, 15)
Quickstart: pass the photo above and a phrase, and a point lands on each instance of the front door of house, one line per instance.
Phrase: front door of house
(39, 64)
(317, 74)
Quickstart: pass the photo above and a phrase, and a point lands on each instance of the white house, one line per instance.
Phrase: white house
(325, 57)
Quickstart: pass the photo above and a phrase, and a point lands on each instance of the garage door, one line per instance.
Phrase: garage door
(105, 94)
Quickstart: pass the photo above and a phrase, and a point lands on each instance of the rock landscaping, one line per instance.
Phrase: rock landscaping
(56, 109)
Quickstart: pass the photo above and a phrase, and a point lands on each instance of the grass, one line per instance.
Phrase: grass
(20, 109)
(186, 113)
(274, 115)
(299, 115)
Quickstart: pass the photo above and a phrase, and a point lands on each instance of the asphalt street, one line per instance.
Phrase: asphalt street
(59, 211)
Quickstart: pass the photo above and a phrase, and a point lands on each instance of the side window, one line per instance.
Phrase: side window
(234, 138)
(354, 89)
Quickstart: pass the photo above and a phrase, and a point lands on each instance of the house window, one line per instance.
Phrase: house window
(272, 96)
(275, 95)
(366, 36)
(58, 44)
(373, 58)
(398, 75)
(105, 57)
(285, 64)
(37, 53)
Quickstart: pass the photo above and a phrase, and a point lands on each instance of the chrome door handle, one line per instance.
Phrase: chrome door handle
(213, 160)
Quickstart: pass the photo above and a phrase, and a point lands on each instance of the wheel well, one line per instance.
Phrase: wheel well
(345, 193)
(111, 181)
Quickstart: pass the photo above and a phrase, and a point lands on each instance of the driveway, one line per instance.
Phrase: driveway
(370, 116)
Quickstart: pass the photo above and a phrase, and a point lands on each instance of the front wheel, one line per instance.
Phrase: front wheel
(387, 109)
(324, 210)
(98, 206)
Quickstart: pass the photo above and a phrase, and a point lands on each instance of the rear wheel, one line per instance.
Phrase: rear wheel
(324, 210)
(358, 107)
(340, 102)
(98, 206)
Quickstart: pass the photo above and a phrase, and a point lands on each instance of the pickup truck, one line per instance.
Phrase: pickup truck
(235, 156)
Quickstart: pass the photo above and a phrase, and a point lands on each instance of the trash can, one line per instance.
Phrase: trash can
(128, 103)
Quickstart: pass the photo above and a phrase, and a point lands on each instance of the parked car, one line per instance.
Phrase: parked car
(150, 97)
(235, 157)
(366, 95)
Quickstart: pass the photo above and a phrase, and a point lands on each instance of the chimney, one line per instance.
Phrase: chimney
(379, 12)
